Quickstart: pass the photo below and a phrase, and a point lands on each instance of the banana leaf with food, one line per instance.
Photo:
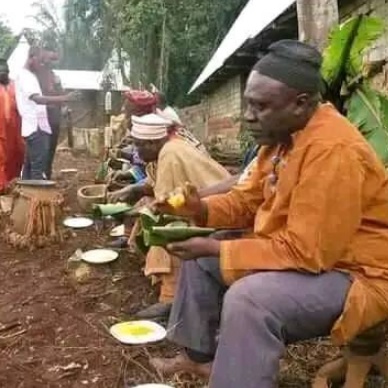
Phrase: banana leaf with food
(161, 229)
(149, 219)
(111, 209)
(163, 235)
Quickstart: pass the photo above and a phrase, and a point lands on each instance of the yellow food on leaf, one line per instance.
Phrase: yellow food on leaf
(176, 200)
(135, 330)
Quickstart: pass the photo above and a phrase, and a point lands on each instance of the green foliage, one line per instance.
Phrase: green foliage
(369, 30)
(83, 34)
(7, 40)
(343, 69)
(368, 110)
(348, 42)
(179, 39)
(87, 41)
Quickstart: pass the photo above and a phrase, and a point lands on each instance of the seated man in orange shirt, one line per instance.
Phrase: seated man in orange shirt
(316, 262)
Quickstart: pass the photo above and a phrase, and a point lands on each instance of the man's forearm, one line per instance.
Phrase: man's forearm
(49, 100)
(145, 189)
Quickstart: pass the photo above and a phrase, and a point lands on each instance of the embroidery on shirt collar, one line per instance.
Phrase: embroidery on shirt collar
(277, 161)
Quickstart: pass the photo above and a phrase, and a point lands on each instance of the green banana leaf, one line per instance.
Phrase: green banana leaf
(369, 30)
(344, 55)
(149, 220)
(140, 245)
(163, 235)
(146, 238)
(153, 240)
(110, 209)
(368, 110)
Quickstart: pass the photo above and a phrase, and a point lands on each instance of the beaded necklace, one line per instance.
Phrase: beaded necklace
(277, 161)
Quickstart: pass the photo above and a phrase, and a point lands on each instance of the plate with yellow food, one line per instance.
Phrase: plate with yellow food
(138, 332)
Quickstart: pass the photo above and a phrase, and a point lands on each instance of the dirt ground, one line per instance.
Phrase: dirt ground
(54, 328)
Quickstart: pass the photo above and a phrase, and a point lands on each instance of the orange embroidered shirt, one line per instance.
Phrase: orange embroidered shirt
(328, 210)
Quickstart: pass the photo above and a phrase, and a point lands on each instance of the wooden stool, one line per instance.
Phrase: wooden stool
(359, 356)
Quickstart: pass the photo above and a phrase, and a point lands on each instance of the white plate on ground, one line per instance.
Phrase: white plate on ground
(118, 231)
(78, 222)
(138, 332)
(99, 256)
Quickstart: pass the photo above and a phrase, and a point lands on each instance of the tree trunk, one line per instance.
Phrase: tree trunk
(316, 18)
(162, 59)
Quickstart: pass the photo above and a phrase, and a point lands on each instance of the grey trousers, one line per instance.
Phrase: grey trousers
(261, 314)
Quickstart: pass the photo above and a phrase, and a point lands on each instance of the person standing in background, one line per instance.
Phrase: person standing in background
(31, 103)
(11, 142)
(51, 85)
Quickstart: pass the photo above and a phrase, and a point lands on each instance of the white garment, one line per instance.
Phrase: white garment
(33, 115)
(170, 113)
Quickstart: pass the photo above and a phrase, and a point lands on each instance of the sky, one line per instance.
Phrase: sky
(17, 12)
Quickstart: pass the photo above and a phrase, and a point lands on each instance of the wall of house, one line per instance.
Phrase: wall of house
(194, 118)
(219, 112)
(379, 50)
(224, 108)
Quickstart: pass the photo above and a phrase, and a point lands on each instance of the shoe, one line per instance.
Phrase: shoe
(156, 311)
(181, 364)
(120, 243)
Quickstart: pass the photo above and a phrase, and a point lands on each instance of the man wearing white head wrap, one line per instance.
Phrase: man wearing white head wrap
(171, 162)
(150, 127)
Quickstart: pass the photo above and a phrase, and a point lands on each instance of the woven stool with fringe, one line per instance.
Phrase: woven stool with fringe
(35, 216)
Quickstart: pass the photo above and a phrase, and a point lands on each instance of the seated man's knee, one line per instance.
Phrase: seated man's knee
(237, 297)
(254, 291)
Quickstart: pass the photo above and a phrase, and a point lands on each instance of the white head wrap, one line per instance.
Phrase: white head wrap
(150, 127)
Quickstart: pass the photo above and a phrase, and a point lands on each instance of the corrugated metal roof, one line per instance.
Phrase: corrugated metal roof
(253, 19)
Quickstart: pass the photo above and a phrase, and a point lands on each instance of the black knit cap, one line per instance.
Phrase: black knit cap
(293, 63)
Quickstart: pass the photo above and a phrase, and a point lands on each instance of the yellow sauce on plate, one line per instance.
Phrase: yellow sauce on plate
(134, 329)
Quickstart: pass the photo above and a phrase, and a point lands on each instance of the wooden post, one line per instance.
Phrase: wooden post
(316, 18)
(69, 128)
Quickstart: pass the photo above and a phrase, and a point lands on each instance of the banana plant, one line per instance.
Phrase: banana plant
(347, 84)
